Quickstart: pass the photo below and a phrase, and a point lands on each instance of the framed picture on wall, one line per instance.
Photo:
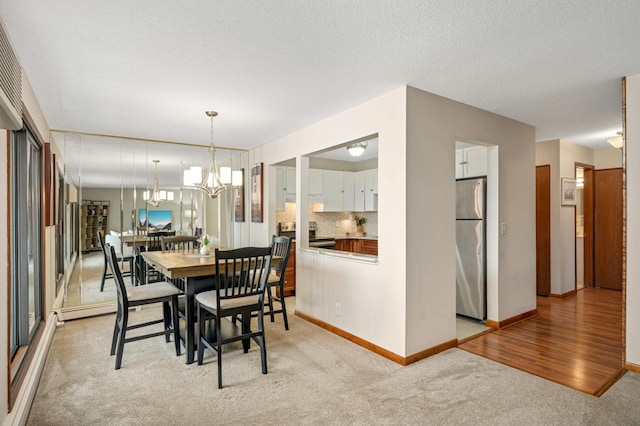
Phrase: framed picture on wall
(568, 192)
(239, 201)
(256, 193)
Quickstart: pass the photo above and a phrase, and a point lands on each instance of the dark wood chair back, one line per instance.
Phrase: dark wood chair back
(179, 242)
(240, 273)
(154, 239)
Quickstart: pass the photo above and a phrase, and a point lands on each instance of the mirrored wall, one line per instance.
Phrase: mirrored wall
(124, 188)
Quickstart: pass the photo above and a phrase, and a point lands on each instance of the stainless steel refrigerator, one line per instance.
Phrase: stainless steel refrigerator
(471, 269)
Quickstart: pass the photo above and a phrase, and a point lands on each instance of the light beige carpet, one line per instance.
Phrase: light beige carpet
(314, 377)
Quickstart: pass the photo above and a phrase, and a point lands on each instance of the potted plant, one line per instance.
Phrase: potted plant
(360, 221)
(204, 248)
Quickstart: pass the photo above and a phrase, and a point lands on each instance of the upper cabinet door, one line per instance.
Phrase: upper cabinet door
(348, 194)
(358, 191)
(471, 162)
(460, 165)
(332, 191)
(366, 191)
(315, 182)
(290, 183)
(280, 190)
(371, 190)
(476, 161)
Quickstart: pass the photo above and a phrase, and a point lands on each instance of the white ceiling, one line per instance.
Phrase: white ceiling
(150, 68)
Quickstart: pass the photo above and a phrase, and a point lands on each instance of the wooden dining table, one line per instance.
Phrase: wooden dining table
(134, 240)
(198, 272)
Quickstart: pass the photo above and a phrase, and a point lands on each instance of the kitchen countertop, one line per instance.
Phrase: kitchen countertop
(350, 237)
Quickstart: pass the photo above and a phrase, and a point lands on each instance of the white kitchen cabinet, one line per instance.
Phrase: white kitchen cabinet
(285, 186)
(338, 191)
(332, 184)
(348, 191)
(315, 182)
(471, 161)
(366, 191)
(280, 197)
(290, 184)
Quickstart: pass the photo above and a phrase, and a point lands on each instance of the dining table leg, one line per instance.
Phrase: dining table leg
(189, 314)
(193, 286)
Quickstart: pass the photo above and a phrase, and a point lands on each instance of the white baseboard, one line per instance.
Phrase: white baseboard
(76, 312)
(22, 405)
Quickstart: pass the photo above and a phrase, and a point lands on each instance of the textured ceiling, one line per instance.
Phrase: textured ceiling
(150, 69)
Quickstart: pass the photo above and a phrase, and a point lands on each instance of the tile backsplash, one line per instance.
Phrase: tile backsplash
(332, 223)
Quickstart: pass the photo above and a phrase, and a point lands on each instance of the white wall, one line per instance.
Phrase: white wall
(364, 291)
(434, 125)
(561, 156)
(607, 158)
(548, 152)
(570, 153)
(413, 282)
(632, 148)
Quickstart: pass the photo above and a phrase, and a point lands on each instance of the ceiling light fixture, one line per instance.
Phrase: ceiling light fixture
(157, 197)
(214, 182)
(616, 141)
(357, 149)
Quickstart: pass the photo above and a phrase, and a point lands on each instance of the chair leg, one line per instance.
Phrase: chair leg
(121, 337)
(263, 344)
(131, 271)
(116, 329)
(246, 328)
(104, 275)
(200, 334)
(166, 313)
(176, 323)
(270, 300)
(219, 348)
(283, 306)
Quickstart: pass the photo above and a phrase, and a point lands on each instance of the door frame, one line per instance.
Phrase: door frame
(588, 202)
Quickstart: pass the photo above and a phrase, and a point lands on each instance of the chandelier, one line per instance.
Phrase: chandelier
(214, 182)
(157, 197)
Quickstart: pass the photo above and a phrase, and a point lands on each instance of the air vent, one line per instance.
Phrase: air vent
(10, 85)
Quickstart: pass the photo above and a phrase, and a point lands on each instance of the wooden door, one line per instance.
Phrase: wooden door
(543, 230)
(608, 228)
(588, 200)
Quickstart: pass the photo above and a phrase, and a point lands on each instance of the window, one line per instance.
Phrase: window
(26, 249)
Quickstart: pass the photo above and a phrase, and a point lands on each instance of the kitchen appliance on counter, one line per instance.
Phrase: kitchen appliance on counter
(471, 267)
(288, 229)
(319, 242)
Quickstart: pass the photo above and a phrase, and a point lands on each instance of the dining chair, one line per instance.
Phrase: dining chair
(121, 258)
(178, 242)
(197, 232)
(281, 247)
(154, 239)
(145, 274)
(240, 280)
(161, 292)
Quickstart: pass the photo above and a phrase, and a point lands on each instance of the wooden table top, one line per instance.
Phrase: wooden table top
(184, 264)
(141, 240)
(181, 264)
(130, 240)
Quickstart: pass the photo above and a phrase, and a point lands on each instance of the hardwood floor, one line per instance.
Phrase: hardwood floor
(575, 341)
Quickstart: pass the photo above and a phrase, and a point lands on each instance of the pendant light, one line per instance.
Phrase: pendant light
(214, 182)
(158, 196)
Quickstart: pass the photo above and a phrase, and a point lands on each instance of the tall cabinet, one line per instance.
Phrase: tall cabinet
(94, 217)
